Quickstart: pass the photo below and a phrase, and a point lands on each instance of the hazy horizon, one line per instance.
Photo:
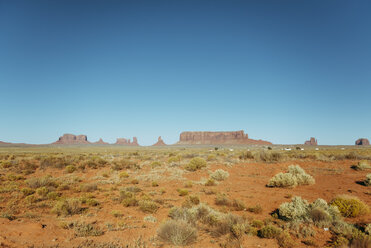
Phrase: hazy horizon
(282, 71)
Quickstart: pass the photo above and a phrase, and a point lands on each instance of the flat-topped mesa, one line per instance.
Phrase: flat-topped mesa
(218, 138)
(127, 142)
(159, 142)
(100, 142)
(70, 139)
(311, 142)
(362, 142)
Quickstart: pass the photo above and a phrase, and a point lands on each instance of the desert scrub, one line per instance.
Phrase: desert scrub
(350, 206)
(128, 198)
(257, 209)
(271, 156)
(117, 213)
(222, 200)
(362, 165)
(285, 240)
(183, 192)
(219, 175)
(195, 164)
(83, 229)
(148, 206)
(177, 232)
(367, 181)
(65, 207)
(155, 164)
(295, 176)
(70, 168)
(210, 182)
(27, 191)
(46, 181)
(301, 211)
(89, 187)
(270, 231)
(124, 174)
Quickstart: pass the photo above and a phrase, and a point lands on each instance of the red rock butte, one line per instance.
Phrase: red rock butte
(311, 142)
(100, 142)
(362, 142)
(70, 139)
(218, 138)
(159, 142)
(127, 142)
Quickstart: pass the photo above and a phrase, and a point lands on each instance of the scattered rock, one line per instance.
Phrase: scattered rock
(362, 142)
(311, 142)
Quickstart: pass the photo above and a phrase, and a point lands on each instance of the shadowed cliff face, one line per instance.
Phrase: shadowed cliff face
(215, 138)
(362, 142)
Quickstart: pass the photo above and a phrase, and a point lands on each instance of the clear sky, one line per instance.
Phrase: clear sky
(280, 70)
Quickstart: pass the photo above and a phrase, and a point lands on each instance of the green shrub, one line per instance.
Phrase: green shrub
(219, 175)
(53, 195)
(269, 232)
(177, 232)
(117, 213)
(155, 164)
(195, 164)
(350, 206)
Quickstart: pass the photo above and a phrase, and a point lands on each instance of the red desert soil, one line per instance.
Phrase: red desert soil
(246, 182)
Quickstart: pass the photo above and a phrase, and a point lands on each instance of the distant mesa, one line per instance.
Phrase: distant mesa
(218, 138)
(127, 142)
(311, 142)
(70, 139)
(362, 142)
(159, 142)
(101, 142)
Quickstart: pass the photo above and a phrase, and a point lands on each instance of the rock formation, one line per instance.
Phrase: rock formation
(311, 142)
(362, 142)
(127, 142)
(159, 142)
(216, 138)
(100, 142)
(70, 139)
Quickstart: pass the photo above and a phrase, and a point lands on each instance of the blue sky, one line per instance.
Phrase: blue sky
(280, 70)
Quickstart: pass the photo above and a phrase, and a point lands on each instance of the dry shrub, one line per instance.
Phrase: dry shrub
(46, 181)
(269, 231)
(222, 200)
(350, 206)
(195, 164)
(271, 156)
(85, 230)
(284, 240)
(367, 181)
(257, 209)
(219, 175)
(148, 206)
(362, 165)
(177, 232)
(295, 176)
(67, 207)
